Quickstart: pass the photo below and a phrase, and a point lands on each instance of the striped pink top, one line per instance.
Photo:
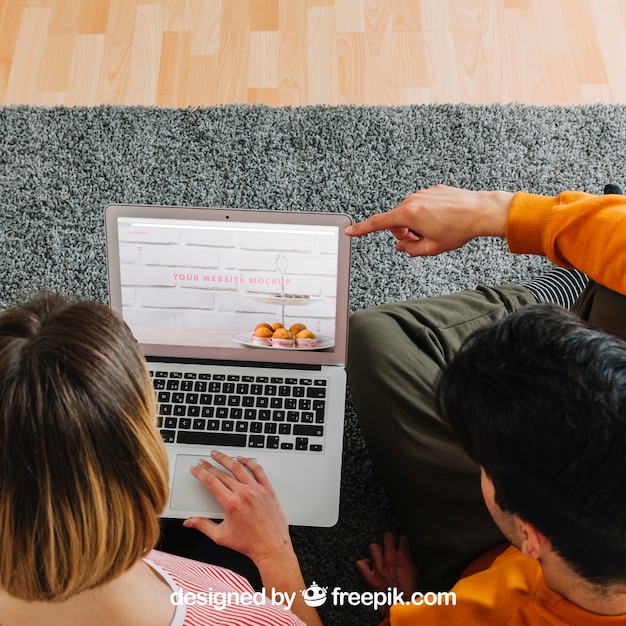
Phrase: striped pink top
(208, 595)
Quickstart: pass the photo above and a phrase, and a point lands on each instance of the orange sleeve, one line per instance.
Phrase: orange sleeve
(574, 230)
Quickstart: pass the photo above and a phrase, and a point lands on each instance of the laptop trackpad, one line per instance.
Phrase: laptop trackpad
(188, 493)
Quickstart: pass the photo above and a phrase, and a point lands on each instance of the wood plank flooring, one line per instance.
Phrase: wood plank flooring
(180, 53)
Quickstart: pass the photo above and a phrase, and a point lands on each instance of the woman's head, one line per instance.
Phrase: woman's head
(83, 470)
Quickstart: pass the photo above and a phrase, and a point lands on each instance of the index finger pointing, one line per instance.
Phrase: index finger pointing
(382, 221)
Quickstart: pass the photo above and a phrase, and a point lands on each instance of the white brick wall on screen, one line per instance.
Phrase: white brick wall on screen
(214, 279)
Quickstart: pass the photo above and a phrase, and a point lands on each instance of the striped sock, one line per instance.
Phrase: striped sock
(559, 286)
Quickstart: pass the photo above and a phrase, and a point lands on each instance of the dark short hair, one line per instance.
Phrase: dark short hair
(538, 400)
(83, 470)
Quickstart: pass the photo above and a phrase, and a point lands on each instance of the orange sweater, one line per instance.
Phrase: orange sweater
(511, 592)
(573, 229)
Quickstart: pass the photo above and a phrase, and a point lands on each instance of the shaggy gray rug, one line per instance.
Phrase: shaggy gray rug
(60, 167)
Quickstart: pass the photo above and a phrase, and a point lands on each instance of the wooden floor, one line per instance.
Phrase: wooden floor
(182, 53)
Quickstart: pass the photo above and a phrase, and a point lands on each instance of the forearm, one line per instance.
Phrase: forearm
(283, 574)
(573, 229)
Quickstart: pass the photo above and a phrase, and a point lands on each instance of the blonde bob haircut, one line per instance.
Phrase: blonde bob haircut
(83, 469)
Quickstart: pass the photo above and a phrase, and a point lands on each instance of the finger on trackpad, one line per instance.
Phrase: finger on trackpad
(188, 494)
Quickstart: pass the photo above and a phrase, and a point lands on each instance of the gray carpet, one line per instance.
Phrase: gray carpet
(60, 167)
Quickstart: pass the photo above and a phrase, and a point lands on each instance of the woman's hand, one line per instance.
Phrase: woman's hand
(254, 523)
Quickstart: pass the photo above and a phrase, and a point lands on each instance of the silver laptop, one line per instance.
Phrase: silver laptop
(243, 317)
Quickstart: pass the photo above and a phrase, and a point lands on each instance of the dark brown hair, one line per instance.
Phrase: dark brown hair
(83, 469)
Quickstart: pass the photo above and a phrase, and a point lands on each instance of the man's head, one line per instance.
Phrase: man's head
(538, 400)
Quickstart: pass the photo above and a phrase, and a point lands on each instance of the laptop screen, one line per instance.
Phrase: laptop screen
(231, 284)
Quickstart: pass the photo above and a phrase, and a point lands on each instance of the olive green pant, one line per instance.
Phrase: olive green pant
(396, 354)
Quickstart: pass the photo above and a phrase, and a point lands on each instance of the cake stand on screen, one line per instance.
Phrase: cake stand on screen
(283, 298)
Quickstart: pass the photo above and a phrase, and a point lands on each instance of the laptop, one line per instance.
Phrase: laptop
(218, 299)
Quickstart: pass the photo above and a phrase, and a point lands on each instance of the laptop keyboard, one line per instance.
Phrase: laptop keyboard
(280, 413)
